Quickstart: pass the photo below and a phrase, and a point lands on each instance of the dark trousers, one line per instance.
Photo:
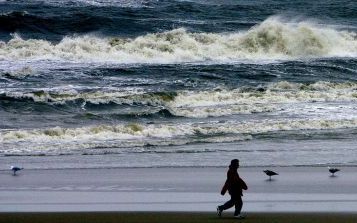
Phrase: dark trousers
(236, 200)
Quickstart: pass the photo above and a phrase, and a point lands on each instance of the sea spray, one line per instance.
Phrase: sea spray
(272, 39)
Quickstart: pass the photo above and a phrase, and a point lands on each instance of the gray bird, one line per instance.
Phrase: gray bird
(15, 169)
(333, 170)
(270, 173)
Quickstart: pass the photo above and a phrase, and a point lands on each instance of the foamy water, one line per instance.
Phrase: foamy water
(273, 97)
(270, 40)
(66, 140)
(112, 83)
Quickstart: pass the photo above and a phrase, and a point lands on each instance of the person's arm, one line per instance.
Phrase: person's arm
(243, 184)
(224, 188)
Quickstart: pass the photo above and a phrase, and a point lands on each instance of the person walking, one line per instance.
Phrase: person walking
(235, 186)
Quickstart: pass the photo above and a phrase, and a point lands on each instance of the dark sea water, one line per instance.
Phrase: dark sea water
(130, 83)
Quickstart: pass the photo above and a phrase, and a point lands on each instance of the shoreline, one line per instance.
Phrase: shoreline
(6, 170)
(282, 153)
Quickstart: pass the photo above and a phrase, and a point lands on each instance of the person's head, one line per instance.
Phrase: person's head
(234, 163)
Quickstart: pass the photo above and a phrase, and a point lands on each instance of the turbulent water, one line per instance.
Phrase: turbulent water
(128, 83)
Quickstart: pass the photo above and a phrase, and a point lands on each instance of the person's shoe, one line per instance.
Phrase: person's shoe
(239, 216)
(219, 212)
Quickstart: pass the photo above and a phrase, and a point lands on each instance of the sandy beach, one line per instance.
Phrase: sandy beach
(130, 111)
(296, 189)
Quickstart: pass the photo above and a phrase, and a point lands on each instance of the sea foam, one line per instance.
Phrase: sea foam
(199, 104)
(270, 40)
(69, 140)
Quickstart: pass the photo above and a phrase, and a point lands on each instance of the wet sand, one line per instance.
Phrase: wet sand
(294, 190)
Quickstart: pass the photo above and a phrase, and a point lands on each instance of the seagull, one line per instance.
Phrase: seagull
(270, 173)
(333, 170)
(15, 169)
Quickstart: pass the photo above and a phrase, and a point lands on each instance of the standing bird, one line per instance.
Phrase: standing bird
(333, 170)
(15, 169)
(270, 173)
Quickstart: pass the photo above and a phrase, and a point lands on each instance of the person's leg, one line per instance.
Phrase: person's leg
(227, 205)
(238, 203)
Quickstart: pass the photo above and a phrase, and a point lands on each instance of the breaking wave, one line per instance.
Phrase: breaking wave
(68, 140)
(201, 104)
(272, 39)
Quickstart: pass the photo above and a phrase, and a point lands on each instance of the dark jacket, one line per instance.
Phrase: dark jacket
(234, 184)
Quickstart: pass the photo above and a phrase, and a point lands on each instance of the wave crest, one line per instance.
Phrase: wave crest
(272, 39)
(199, 104)
(70, 140)
(275, 38)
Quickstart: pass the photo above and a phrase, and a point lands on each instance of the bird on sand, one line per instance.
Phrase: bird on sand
(333, 170)
(270, 173)
(15, 169)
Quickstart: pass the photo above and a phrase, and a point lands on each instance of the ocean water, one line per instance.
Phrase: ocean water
(130, 83)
